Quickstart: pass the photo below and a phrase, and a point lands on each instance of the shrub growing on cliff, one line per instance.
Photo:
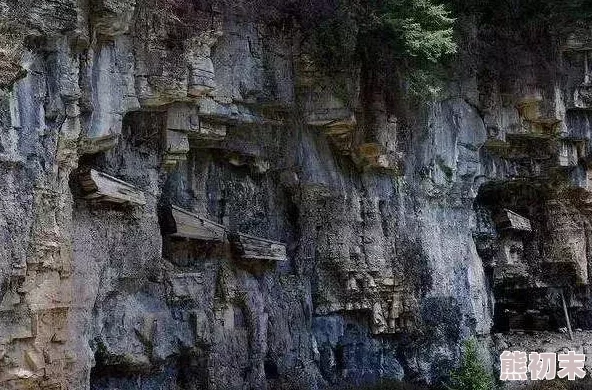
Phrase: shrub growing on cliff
(471, 375)
(405, 37)
(413, 28)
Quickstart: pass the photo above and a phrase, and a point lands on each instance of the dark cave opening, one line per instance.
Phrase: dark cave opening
(271, 369)
(528, 310)
(519, 227)
(186, 371)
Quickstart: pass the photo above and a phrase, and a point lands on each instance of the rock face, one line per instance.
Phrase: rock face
(187, 203)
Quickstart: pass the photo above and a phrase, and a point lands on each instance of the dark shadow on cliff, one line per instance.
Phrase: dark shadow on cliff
(386, 385)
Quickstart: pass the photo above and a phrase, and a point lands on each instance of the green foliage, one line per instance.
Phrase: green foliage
(415, 28)
(415, 36)
(335, 40)
(471, 375)
(425, 82)
(403, 28)
(396, 39)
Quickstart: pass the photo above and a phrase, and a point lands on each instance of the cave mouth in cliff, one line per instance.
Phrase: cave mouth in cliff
(526, 310)
(541, 309)
(187, 370)
(513, 237)
(144, 129)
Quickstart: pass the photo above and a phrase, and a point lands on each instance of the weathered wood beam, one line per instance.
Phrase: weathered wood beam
(253, 248)
(99, 186)
(566, 314)
(509, 220)
(185, 224)
(98, 144)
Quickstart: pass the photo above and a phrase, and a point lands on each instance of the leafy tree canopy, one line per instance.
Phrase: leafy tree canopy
(471, 375)
(415, 28)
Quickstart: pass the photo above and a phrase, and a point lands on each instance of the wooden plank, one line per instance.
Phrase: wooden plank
(324, 117)
(98, 144)
(577, 41)
(105, 188)
(566, 314)
(508, 219)
(210, 130)
(255, 248)
(190, 225)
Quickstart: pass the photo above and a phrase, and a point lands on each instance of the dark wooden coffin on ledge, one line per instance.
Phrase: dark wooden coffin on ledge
(178, 222)
(509, 220)
(98, 144)
(99, 186)
(251, 248)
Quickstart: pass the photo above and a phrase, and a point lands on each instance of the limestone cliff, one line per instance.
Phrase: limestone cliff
(190, 200)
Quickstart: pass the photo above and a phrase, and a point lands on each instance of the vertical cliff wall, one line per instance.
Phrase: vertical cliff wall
(191, 201)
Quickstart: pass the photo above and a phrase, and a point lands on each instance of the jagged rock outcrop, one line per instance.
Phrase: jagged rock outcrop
(190, 202)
